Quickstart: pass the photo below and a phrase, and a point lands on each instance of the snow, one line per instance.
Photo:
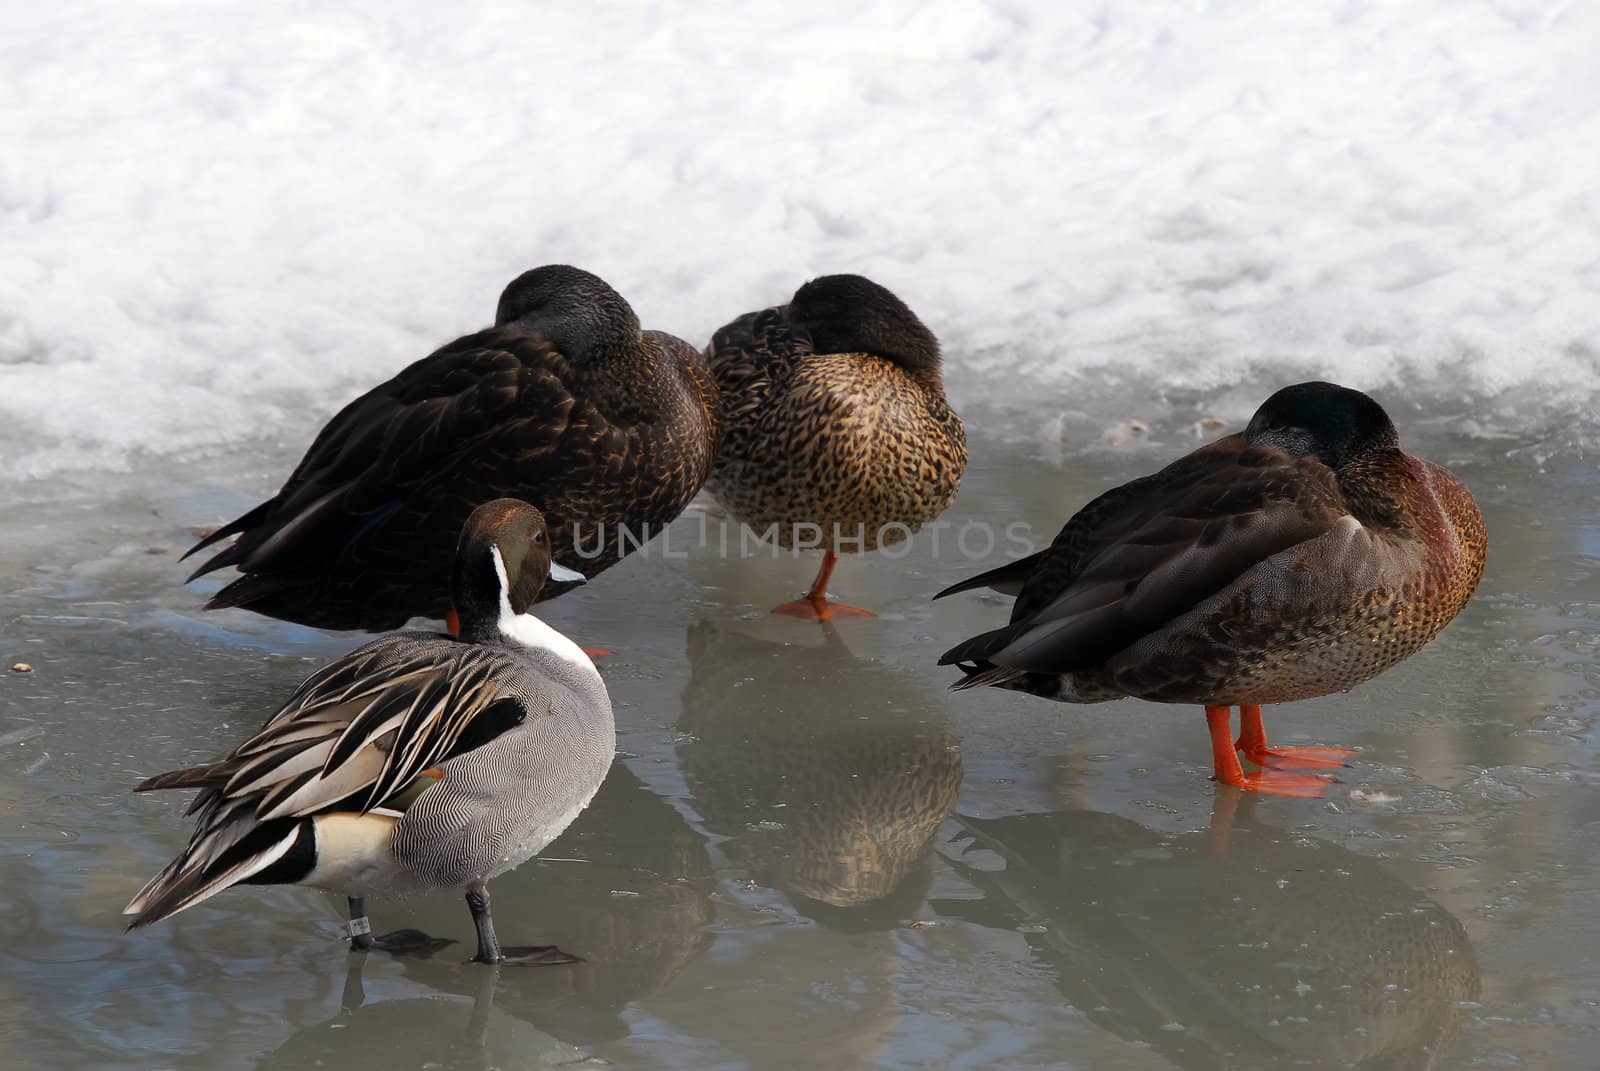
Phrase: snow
(220, 221)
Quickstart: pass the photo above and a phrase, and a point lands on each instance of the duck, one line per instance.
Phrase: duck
(1299, 557)
(565, 402)
(419, 762)
(837, 433)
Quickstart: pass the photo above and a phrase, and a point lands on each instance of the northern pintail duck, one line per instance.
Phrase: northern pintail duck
(837, 436)
(416, 763)
(1297, 558)
(565, 402)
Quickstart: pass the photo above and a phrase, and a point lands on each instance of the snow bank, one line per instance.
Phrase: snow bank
(219, 221)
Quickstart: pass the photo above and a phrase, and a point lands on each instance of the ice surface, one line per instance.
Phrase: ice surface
(219, 221)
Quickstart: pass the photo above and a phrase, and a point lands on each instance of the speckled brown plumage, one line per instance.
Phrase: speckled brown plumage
(1300, 557)
(836, 417)
(564, 403)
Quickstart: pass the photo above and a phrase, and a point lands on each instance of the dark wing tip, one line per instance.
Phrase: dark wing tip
(225, 557)
(1006, 579)
(248, 590)
(980, 676)
(190, 777)
(239, 524)
(980, 648)
(215, 537)
(960, 586)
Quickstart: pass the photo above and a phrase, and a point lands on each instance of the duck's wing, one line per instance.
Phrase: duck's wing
(1007, 579)
(363, 734)
(748, 355)
(1143, 554)
(362, 728)
(503, 392)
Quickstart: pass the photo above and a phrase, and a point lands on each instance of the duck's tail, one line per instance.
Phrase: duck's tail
(982, 647)
(279, 851)
(233, 527)
(984, 674)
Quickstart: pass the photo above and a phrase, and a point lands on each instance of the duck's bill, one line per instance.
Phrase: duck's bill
(564, 575)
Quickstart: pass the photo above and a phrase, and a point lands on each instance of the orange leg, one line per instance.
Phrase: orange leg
(1253, 742)
(1229, 772)
(815, 606)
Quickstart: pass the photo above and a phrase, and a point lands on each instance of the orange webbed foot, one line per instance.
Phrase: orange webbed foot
(597, 652)
(1280, 783)
(1297, 758)
(809, 609)
(1271, 782)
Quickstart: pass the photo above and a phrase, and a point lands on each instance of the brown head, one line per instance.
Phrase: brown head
(502, 560)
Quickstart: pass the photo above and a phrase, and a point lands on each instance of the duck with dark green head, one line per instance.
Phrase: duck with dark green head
(838, 436)
(1297, 558)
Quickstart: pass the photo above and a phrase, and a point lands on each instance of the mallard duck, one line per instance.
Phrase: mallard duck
(1297, 558)
(418, 762)
(838, 436)
(608, 430)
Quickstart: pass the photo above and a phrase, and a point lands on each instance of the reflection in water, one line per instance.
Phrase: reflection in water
(1245, 947)
(421, 1032)
(833, 803)
(627, 890)
(626, 887)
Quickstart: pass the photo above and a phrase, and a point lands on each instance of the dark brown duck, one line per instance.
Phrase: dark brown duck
(1297, 558)
(838, 435)
(565, 402)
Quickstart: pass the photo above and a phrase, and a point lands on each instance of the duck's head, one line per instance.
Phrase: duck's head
(852, 314)
(502, 562)
(1333, 423)
(577, 311)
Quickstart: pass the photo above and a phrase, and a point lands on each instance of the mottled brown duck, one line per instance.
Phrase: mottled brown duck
(1297, 558)
(564, 402)
(838, 436)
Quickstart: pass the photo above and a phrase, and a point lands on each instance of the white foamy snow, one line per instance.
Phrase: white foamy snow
(220, 221)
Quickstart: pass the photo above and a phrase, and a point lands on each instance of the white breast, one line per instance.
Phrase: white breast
(529, 631)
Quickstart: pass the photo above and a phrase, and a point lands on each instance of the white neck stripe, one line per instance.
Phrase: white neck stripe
(531, 632)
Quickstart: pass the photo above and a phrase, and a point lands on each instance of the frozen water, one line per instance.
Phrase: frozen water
(219, 221)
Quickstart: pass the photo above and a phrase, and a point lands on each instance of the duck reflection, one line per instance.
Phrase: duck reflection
(833, 804)
(421, 1032)
(1248, 947)
(627, 886)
